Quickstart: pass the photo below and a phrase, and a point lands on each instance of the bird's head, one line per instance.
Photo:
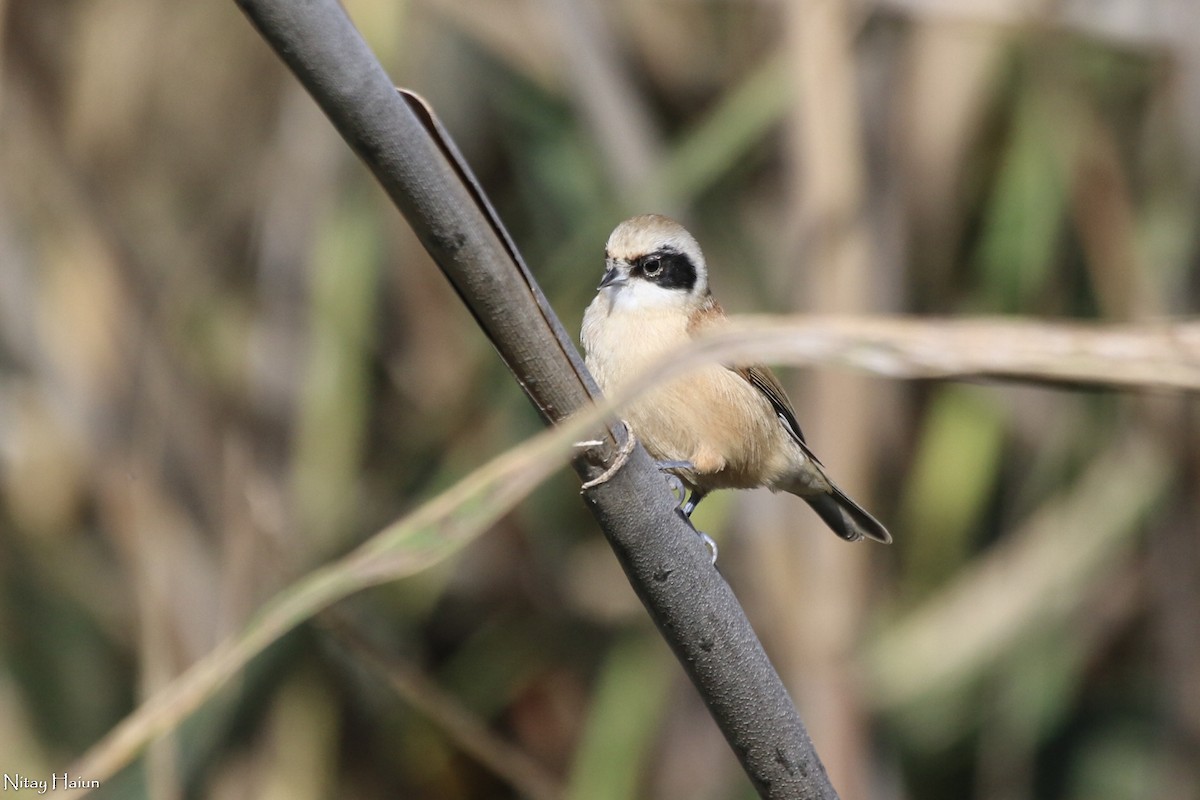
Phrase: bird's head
(651, 261)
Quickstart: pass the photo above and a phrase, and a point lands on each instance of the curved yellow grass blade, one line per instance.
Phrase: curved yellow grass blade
(430, 534)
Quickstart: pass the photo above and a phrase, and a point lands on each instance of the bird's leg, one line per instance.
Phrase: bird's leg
(692, 502)
(688, 505)
(687, 508)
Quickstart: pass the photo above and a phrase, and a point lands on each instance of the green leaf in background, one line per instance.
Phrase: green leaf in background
(333, 402)
(627, 710)
(1023, 223)
(1123, 761)
(954, 470)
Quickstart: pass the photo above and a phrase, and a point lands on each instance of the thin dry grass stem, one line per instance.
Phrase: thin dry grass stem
(1150, 355)
(430, 534)
(154, 253)
(1105, 217)
(449, 521)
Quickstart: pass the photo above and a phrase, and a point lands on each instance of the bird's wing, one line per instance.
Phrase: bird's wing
(765, 381)
(761, 378)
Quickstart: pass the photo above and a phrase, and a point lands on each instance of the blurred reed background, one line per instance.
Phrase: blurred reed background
(225, 359)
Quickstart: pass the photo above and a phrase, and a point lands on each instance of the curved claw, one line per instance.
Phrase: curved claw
(712, 545)
(677, 487)
(709, 542)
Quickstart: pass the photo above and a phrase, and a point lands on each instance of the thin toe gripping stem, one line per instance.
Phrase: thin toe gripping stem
(687, 504)
(674, 480)
(618, 460)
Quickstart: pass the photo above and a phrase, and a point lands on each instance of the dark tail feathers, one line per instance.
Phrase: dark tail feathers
(846, 518)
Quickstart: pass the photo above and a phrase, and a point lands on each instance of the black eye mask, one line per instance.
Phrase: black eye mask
(669, 269)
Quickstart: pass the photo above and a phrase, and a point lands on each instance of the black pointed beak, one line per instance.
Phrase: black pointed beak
(612, 277)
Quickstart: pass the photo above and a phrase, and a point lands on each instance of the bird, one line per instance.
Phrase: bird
(715, 427)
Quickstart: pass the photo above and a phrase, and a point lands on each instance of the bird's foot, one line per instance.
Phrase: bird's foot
(677, 487)
(618, 461)
(673, 480)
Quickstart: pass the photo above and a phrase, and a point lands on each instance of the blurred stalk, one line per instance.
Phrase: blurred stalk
(613, 111)
(300, 178)
(334, 397)
(1019, 248)
(1102, 209)
(517, 35)
(625, 715)
(23, 751)
(1173, 583)
(710, 149)
(1125, 23)
(828, 202)
(743, 116)
(153, 533)
(303, 737)
(1152, 355)
(385, 26)
(1036, 683)
(953, 473)
(950, 77)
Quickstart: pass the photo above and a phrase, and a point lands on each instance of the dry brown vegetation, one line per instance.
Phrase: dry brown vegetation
(226, 362)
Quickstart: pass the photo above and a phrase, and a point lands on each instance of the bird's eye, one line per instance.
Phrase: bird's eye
(651, 267)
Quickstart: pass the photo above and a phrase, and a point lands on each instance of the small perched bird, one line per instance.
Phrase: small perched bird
(716, 427)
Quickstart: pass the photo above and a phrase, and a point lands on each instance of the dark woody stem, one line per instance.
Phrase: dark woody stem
(667, 564)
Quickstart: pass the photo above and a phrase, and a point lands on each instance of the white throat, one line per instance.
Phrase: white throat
(639, 295)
